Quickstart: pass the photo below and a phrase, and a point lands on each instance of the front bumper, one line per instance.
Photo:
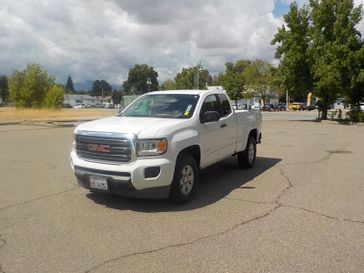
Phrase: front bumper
(127, 179)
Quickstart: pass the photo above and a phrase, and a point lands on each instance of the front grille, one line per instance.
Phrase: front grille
(103, 148)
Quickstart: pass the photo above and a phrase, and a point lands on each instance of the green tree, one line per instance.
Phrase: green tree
(4, 92)
(117, 96)
(355, 93)
(187, 78)
(350, 49)
(141, 78)
(69, 85)
(100, 88)
(233, 79)
(54, 97)
(292, 51)
(260, 80)
(216, 79)
(336, 47)
(28, 88)
(168, 85)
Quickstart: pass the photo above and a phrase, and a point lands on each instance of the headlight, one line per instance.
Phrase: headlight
(147, 147)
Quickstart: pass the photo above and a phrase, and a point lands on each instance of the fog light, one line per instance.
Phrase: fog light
(152, 172)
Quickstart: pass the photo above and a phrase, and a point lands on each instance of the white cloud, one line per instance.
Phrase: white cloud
(104, 38)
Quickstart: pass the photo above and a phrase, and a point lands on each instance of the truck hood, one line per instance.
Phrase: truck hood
(142, 127)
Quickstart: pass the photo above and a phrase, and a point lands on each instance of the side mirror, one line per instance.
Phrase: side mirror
(210, 116)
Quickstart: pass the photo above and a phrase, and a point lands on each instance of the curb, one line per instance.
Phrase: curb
(49, 123)
(10, 123)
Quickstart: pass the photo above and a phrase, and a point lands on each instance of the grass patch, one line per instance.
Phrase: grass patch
(12, 114)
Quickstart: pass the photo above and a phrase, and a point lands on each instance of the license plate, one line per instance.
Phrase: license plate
(98, 182)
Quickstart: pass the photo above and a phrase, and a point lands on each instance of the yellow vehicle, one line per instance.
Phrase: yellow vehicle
(294, 106)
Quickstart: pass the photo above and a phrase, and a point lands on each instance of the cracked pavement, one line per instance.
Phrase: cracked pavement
(300, 209)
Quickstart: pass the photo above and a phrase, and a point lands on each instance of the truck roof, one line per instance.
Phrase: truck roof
(187, 91)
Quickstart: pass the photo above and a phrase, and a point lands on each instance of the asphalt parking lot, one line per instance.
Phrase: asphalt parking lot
(299, 210)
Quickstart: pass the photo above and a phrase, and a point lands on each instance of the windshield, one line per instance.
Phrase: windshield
(163, 106)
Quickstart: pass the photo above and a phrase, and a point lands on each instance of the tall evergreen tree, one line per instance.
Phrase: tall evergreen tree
(69, 85)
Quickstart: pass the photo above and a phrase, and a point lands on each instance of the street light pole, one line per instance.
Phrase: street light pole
(198, 69)
(149, 83)
(197, 77)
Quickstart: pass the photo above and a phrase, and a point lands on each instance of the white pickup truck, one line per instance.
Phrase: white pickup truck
(156, 147)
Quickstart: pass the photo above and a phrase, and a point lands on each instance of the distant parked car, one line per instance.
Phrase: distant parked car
(109, 106)
(303, 106)
(339, 104)
(361, 104)
(294, 106)
(266, 108)
(97, 105)
(278, 107)
(255, 106)
(67, 105)
(274, 107)
(79, 106)
(281, 106)
(312, 107)
(240, 107)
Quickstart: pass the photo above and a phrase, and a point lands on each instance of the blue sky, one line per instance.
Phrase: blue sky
(280, 8)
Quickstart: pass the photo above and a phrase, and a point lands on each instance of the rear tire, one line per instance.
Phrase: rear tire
(185, 180)
(246, 159)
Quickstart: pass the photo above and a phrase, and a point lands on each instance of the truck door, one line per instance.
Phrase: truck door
(229, 125)
(212, 133)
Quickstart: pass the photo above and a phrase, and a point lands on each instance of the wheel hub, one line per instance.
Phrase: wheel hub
(251, 152)
(187, 179)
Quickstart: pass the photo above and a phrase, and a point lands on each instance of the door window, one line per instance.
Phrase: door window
(210, 104)
(225, 105)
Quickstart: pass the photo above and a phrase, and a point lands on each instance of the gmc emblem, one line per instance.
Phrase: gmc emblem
(99, 148)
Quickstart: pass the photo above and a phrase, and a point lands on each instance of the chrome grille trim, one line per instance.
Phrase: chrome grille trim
(103, 147)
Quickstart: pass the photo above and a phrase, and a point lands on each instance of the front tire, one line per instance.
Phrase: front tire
(246, 159)
(185, 179)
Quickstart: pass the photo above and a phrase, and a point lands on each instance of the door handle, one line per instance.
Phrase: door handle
(223, 125)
